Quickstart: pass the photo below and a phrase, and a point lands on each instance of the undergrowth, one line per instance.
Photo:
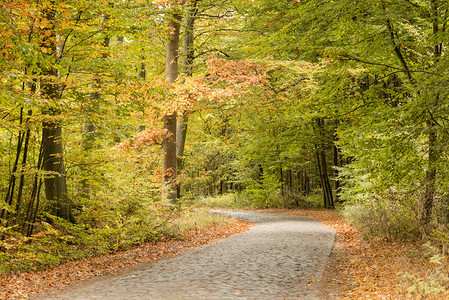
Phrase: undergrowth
(56, 241)
(260, 199)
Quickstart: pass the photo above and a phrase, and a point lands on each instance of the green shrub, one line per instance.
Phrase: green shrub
(434, 282)
(59, 241)
(389, 217)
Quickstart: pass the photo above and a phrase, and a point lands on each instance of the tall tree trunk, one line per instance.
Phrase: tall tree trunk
(53, 153)
(55, 182)
(187, 56)
(181, 135)
(430, 175)
(142, 74)
(336, 165)
(5, 212)
(326, 182)
(24, 162)
(260, 175)
(322, 166)
(169, 170)
(290, 179)
(89, 127)
(432, 135)
(33, 204)
(336, 178)
(307, 184)
(89, 132)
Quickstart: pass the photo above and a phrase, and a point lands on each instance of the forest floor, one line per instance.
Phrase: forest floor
(377, 269)
(357, 269)
(25, 285)
(281, 257)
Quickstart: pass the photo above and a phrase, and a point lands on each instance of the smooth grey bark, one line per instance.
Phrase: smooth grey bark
(187, 56)
(181, 135)
(169, 166)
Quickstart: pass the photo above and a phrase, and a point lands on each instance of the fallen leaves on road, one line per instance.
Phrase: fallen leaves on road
(376, 269)
(356, 270)
(25, 285)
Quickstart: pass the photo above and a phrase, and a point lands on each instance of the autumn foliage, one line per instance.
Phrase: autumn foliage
(283, 104)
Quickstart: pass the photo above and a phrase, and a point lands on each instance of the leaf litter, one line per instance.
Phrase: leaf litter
(25, 285)
(357, 269)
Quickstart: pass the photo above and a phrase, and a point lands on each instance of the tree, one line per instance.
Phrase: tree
(53, 151)
(92, 105)
(171, 72)
(188, 56)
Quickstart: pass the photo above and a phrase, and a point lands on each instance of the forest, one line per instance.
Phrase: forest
(119, 117)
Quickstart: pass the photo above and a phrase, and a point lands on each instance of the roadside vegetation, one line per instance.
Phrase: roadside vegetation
(118, 117)
(61, 242)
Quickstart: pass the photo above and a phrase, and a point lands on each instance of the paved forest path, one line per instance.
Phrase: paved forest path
(282, 257)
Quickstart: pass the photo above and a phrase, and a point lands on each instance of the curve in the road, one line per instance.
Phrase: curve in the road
(282, 257)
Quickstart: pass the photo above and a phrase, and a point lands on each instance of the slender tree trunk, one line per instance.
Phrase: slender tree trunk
(89, 132)
(322, 166)
(260, 175)
(281, 176)
(336, 165)
(318, 158)
(13, 177)
(432, 135)
(142, 74)
(188, 51)
(89, 127)
(281, 172)
(187, 56)
(307, 184)
(33, 205)
(53, 153)
(336, 178)
(290, 179)
(181, 135)
(24, 162)
(430, 176)
(326, 182)
(169, 184)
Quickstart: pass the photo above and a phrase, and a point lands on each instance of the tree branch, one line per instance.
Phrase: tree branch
(286, 87)
(209, 51)
(349, 57)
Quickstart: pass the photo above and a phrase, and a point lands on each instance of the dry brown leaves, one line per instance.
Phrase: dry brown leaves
(374, 268)
(25, 285)
(356, 270)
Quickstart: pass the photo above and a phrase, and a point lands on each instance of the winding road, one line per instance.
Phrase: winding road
(281, 257)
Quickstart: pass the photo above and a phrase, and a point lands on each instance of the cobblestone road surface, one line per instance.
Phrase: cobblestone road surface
(282, 257)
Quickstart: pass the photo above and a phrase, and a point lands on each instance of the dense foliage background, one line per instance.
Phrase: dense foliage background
(278, 104)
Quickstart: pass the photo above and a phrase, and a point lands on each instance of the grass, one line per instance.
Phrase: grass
(193, 220)
(230, 200)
